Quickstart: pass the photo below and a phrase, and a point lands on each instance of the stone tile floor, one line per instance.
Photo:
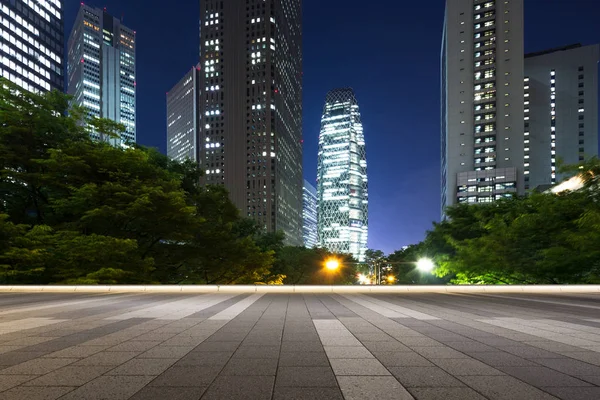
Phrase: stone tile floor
(177, 346)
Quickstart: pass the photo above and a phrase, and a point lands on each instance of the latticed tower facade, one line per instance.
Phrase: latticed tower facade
(342, 176)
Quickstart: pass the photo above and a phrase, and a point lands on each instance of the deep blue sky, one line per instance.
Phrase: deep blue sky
(387, 52)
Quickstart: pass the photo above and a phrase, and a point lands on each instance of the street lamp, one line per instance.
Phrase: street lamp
(363, 280)
(425, 265)
(332, 264)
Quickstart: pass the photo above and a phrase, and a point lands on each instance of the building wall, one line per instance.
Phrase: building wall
(101, 69)
(482, 65)
(561, 104)
(342, 188)
(309, 215)
(251, 51)
(183, 118)
(32, 34)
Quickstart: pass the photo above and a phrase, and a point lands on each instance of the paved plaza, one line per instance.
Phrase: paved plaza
(317, 346)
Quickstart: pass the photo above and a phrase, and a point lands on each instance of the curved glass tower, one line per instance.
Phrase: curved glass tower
(342, 177)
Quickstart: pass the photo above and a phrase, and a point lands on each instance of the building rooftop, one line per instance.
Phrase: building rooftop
(553, 50)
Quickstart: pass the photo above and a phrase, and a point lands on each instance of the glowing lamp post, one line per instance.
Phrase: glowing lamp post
(332, 264)
(425, 265)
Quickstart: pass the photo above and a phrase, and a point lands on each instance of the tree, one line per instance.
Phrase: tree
(223, 248)
(76, 210)
(541, 238)
(30, 124)
(43, 255)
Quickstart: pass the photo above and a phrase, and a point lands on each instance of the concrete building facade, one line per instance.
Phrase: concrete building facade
(101, 69)
(251, 108)
(561, 111)
(32, 49)
(482, 101)
(183, 117)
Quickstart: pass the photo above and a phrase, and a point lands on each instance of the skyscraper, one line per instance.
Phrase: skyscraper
(251, 108)
(561, 111)
(101, 68)
(309, 215)
(183, 117)
(342, 177)
(32, 44)
(482, 101)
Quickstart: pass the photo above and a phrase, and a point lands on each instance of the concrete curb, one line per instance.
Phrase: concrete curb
(305, 288)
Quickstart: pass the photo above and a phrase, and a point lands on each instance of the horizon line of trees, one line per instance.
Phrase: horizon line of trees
(540, 238)
(79, 211)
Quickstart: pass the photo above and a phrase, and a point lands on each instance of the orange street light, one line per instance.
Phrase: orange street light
(332, 264)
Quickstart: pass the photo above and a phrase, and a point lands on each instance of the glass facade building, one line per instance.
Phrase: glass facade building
(309, 215)
(32, 44)
(342, 177)
(101, 68)
(183, 117)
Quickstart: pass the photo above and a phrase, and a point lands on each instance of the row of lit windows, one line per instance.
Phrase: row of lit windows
(489, 4)
(7, 35)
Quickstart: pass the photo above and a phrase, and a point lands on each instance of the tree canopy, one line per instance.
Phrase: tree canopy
(541, 238)
(82, 211)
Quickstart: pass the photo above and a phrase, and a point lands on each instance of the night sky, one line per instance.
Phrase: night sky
(387, 52)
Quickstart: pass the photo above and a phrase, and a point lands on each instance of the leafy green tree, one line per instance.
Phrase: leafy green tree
(30, 124)
(541, 238)
(43, 255)
(74, 210)
(223, 248)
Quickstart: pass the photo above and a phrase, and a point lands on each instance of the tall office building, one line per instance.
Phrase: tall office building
(342, 177)
(251, 108)
(32, 44)
(561, 111)
(482, 101)
(183, 117)
(101, 68)
(309, 215)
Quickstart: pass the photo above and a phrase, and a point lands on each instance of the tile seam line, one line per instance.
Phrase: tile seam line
(451, 374)
(280, 346)
(312, 320)
(363, 346)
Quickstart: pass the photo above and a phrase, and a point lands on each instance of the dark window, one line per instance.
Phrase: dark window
(581, 149)
(581, 84)
(581, 125)
(581, 142)
(580, 76)
(581, 92)
(580, 69)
